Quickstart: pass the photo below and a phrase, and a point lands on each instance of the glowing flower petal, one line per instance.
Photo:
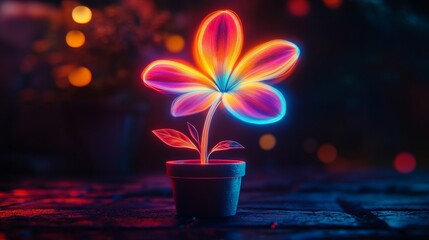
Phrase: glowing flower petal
(255, 103)
(218, 44)
(272, 60)
(168, 76)
(193, 102)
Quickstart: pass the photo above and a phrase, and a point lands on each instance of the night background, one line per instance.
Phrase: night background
(78, 159)
(357, 100)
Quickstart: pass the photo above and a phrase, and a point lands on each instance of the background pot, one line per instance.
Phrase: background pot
(210, 190)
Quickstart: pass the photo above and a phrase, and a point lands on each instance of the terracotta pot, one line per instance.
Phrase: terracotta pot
(209, 190)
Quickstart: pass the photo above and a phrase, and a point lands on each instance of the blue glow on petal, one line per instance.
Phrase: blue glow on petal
(258, 120)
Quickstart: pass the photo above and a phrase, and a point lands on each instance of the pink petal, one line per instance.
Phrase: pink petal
(272, 60)
(255, 103)
(168, 76)
(218, 44)
(193, 102)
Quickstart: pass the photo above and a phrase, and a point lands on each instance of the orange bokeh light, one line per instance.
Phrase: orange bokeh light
(81, 14)
(333, 4)
(75, 38)
(327, 153)
(404, 162)
(175, 43)
(80, 77)
(299, 8)
(267, 142)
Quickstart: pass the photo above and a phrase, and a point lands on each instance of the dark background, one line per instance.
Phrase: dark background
(361, 85)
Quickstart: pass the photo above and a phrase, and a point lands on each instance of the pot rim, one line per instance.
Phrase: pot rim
(210, 162)
(216, 168)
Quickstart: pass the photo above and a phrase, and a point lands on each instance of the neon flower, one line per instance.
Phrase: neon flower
(241, 85)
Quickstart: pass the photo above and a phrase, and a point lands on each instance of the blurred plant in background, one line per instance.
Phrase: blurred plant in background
(95, 48)
(70, 91)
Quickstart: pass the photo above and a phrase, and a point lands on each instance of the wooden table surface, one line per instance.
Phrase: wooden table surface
(277, 205)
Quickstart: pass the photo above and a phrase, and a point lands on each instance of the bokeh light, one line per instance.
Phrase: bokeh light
(81, 14)
(404, 162)
(75, 38)
(80, 77)
(174, 43)
(327, 153)
(267, 142)
(299, 8)
(333, 4)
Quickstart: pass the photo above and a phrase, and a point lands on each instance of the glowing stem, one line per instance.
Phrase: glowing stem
(206, 129)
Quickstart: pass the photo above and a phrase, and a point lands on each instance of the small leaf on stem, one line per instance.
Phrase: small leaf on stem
(194, 133)
(226, 145)
(174, 138)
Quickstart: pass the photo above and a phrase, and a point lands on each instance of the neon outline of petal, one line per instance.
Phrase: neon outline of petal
(218, 45)
(193, 102)
(272, 61)
(167, 76)
(232, 101)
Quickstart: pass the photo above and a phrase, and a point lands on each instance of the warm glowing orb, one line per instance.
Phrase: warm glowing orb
(75, 39)
(80, 77)
(327, 153)
(333, 4)
(267, 142)
(81, 14)
(175, 43)
(299, 8)
(404, 162)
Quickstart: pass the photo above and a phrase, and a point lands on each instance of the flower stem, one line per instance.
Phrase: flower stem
(205, 136)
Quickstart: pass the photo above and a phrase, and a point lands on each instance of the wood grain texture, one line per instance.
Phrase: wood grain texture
(275, 205)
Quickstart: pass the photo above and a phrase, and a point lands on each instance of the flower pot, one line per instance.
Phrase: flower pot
(209, 190)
